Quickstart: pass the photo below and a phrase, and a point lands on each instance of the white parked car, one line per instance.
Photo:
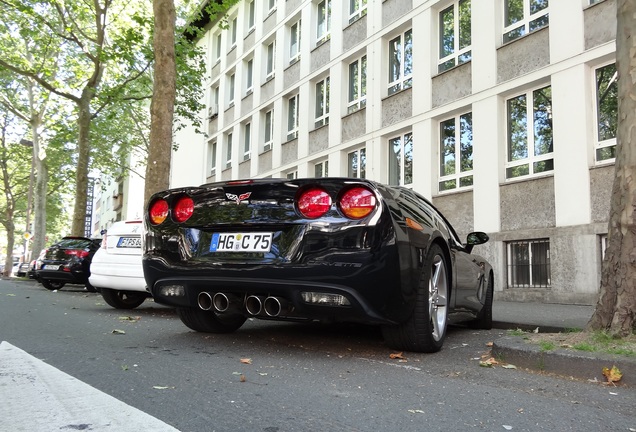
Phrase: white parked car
(116, 267)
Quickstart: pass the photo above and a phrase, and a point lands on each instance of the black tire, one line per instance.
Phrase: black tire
(484, 317)
(425, 329)
(209, 322)
(52, 285)
(89, 287)
(123, 299)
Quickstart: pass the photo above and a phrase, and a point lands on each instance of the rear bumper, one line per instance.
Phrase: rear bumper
(119, 272)
(361, 288)
(74, 277)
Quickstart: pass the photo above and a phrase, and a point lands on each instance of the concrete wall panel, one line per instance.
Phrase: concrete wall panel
(354, 125)
(320, 56)
(289, 152)
(524, 55)
(319, 139)
(397, 107)
(600, 23)
(291, 75)
(264, 162)
(601, 182)
(527, 204)
(354, 34)
(452, 85)
(458, 209)
(393, 9)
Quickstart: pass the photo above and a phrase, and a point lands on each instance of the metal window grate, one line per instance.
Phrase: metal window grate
(529, 264)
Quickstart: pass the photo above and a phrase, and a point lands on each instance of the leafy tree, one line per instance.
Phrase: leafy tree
(616, 307)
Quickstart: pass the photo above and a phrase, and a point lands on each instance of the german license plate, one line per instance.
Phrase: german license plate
(129, 242)
(51, 267)
(241, 242)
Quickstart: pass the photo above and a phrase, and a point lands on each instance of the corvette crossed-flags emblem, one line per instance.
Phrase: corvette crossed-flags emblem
(238, 198)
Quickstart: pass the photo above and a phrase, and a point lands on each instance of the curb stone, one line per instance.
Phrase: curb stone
(577, 364)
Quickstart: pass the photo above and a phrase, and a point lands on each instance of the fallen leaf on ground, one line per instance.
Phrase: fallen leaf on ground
(416, 411)
(396, 356)
(129, 318)
(489, 362)
(243, 378)
(116, 331)
(246, 361)
(489, 344)
(508, 366)
(613, 375)
(161, 387)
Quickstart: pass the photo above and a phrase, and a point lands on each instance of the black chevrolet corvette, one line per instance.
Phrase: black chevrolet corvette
(325, 249)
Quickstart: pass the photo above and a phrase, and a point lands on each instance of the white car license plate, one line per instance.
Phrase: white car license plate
(241, 242)
(51, 267)
(129, 242)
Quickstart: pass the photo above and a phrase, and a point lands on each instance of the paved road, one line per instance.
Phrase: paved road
(70, 362)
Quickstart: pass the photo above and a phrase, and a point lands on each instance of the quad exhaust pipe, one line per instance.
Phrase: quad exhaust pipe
(254, 305)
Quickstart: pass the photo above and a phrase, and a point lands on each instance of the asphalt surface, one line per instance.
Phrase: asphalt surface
(150, 370)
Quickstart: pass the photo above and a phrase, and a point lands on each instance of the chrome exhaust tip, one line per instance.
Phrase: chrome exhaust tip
(253, 305)
(273, 306)
(221, 302)
(204, 300)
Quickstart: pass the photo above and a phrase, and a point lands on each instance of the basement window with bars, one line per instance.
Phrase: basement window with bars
(528, 263)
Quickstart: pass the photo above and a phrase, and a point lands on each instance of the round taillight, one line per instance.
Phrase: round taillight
(313, 203)
(158, 211)
(357, 202)
(183, 209)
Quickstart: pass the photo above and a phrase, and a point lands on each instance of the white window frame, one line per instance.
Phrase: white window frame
(293, 112)
(511, 266)
(359, 83)
(602, 144)
(251, 16)
(357, 9)
(291, 175)
(459, 55)
(526, 23)
(294, 48)
(271, 7)
(247, 141)
(323, 21)
(213, 109)
(405, 141)
(460, 179)
(212, 158)
(323, 166)
(360, 155)
(270, 60)
(405, 77)
(233, 33)
(249, 76)
(217, 47)
(231, 86)
(322, 102)
(228, 150)
(531, 158)
(268, 123)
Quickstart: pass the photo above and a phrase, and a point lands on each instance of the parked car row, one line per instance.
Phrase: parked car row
(110, 265)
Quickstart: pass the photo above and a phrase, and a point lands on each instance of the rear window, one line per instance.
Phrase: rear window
(74, 243)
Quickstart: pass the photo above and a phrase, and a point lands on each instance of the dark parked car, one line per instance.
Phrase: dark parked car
(326, 249)
(67, 261)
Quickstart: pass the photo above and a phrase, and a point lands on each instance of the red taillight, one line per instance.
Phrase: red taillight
(183, 209)
(357, 202)
(80, 253)
(313, 203)
(158, 211)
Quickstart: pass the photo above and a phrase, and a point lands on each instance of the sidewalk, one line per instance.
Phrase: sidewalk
(548, 317)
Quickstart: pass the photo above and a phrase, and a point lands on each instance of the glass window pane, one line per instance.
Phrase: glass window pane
(513, 12)
(538, 5)
(517, 129)
(447, 149)
(539, 23)
(408, 53)
(352, 164)
(543, 140)
(353, 81)
(447, 32)
(395, 155)
(607, 101)
(466, 142)
(363, 164)
(408, 159)
(395, 58)
(464, 24)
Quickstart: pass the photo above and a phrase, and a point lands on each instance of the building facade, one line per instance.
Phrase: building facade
(502, 112)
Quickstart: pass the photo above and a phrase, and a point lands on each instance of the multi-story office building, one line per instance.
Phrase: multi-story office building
(502, 112)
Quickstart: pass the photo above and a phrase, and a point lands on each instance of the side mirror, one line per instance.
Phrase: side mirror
(475, 238)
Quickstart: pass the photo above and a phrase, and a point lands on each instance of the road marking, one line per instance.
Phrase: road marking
(35, 396)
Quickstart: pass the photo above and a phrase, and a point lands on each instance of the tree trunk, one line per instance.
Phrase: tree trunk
(83, 156)
(616, 307)
(162, 106)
